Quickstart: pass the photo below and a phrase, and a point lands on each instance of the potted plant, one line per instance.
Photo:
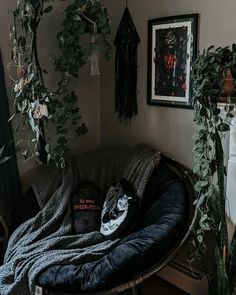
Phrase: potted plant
(210, 73)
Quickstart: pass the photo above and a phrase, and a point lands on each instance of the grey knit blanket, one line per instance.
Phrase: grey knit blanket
(46, 240)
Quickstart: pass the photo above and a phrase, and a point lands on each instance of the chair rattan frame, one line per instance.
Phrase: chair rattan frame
(187, 176)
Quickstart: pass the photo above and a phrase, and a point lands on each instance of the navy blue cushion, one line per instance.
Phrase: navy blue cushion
(125, 261)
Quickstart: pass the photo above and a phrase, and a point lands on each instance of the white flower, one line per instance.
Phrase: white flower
(40, 111)
(20, 85)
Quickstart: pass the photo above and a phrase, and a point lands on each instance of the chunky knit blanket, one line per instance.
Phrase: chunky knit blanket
(47, 240)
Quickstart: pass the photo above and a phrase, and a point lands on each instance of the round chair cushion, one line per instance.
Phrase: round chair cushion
(160, 230)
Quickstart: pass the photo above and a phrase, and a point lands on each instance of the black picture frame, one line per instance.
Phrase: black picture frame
(172, 47)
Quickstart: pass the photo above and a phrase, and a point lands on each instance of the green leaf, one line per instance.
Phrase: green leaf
(48, 9)
(200, 238)
(222, 280)
(4, 160)
(81, 130)
(201, 200)
(24, 154)
(2, 151)
(10, 119)
(216, 111)
(223, 127)
(211, 48)
(77, 18)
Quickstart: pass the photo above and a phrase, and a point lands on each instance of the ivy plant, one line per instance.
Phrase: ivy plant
(35, 103)
(208, 73)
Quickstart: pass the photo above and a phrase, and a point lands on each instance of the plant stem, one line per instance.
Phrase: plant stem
(41, 144)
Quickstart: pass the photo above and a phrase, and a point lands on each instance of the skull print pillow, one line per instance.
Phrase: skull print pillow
(120, 209)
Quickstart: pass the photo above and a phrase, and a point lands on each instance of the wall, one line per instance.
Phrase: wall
(87, 87)
(169, 129)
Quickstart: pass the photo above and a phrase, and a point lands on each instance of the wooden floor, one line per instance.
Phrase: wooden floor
(157, 286)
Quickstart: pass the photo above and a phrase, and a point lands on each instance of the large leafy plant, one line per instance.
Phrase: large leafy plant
(209, 72)
(37, 105)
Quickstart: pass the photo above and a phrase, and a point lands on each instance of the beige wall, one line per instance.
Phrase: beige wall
(169, 129)
(87, 88)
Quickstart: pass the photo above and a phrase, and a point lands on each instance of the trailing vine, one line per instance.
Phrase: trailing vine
(208, 73)
(34, 102)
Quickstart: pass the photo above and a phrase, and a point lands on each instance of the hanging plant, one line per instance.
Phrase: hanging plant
(209, 73)
(37, 105)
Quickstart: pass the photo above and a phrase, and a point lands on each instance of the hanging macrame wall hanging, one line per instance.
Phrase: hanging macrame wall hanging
(126, 43)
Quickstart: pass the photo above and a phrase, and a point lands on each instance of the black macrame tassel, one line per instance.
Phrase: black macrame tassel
(126, 42)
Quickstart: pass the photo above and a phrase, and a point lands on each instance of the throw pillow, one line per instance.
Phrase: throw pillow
(86, 208)
(120, 209)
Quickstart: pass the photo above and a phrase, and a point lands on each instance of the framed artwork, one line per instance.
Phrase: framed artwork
(172, 45)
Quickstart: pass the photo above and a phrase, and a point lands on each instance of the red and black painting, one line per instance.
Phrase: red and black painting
(171, 62)
(171, 49)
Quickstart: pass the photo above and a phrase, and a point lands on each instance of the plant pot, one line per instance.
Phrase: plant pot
(229, 88)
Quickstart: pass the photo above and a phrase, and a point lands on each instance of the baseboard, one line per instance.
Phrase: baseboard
(190, 280)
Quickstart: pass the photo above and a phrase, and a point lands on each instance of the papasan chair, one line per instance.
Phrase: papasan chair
(164, 223)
